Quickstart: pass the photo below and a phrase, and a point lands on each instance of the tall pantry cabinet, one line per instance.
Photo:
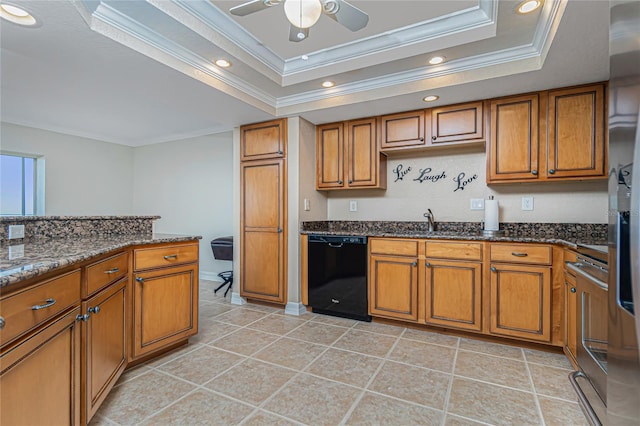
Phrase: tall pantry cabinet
(263, 211)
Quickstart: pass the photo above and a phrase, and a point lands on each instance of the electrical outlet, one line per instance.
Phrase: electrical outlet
(16, 252)
(527, 203)
(477, 204)
(353, 206)
(16, 231)
(307, 204)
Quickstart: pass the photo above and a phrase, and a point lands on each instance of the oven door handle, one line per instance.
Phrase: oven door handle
(593, 418)
(576, 268)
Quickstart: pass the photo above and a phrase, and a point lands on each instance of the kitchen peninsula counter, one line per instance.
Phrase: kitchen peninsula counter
(569, 235)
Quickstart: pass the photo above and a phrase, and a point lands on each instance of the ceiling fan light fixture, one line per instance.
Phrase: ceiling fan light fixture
(303, 13)
(529, 6)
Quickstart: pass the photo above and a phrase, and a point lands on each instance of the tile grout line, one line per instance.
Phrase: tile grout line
(533, 387)
(445, 408)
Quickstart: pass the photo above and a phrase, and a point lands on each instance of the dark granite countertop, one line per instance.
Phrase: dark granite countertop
(43, 255)
(568, 235)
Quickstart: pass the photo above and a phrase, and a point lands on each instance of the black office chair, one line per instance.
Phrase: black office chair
(223, 250)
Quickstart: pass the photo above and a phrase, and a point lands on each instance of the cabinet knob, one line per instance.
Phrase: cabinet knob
(427, 264)
(551, 171)
(94, 310)
(48, 303)
(350, 181)
(84, 317)
(493, 269)
(140, 280)
(573, 290)
(434, 137)
(2, 323)
(414, 263)
(421, 139)
(279, 230)
(534, 172)
(339, 182)
(280, 152)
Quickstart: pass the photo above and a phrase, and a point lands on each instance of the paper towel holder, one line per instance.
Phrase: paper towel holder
(491, 233)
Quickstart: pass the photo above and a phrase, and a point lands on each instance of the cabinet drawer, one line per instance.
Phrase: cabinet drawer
(394, 247)
(106, 271)
(521, 253)
(18, 310)
(145, 258)
(454, 250)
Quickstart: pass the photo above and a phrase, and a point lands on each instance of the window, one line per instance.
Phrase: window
(19, 192)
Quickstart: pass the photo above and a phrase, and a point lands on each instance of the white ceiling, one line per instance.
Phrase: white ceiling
(140, 72)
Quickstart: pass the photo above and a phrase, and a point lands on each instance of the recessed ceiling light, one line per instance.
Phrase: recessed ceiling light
(436, 60)
(304, 57)
(529, 6)
(223, 63)
(328, 84)
(431, 98)
(17, 15)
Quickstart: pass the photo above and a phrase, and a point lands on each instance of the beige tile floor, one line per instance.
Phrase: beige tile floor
(253, 365)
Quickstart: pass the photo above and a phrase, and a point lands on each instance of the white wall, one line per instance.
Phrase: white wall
(83, 176)
(407, 200)
(189, 184)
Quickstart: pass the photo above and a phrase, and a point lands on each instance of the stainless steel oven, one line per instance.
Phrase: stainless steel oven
(592, 310)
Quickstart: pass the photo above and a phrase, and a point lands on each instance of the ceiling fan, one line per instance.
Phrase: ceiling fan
(302, 14)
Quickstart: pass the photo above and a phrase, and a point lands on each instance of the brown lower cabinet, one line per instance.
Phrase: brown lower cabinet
(393, 287)
(58, 362)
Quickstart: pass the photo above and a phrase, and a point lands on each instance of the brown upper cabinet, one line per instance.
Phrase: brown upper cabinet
(403, 130)
(550, 135)
(263, 140)
(457, 124)
(576, 145)
(357, 163)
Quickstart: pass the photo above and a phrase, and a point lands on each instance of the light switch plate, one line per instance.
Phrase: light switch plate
(353, 206)
(477, 204)
(16, 252)
(16, 231)
(307, 204)
(527, 203)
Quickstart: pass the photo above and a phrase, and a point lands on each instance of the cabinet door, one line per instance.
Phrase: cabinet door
(105, 344)
(263, 236)
(513, 152)
(40, 377)
(362, 153)
(521, 301)
(576, 133)
(393, 287)
(329, 156)
(454, 294)
(457, 123)
(165, 308)
(263, 140)
(570, 300)
(403, 130)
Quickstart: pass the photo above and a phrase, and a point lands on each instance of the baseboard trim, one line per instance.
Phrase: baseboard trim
(237, 300)
(209, 276)
(295, 308)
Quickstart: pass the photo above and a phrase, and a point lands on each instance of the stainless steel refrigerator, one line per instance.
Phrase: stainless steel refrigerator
(623, 365)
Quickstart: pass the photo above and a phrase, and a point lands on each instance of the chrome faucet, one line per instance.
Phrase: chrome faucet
(431, 220)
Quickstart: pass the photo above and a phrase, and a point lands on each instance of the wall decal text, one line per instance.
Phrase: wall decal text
(462, 182)
(400, 173)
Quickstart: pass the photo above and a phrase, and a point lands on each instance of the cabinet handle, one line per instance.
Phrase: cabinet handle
(551, 171)
(517, 254)
(414, 263)
(427, 264)
(534, 172)
(49, 302)
(573, 290)
(171, 256)
(112, 271)
(339, 182)
(493, 269)
(140, 280)
(84, 317)
(2, 323)
(95, 310)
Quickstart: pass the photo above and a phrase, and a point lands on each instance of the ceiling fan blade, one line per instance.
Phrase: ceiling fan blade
(251, 7)
(295, 33)
(346, 14)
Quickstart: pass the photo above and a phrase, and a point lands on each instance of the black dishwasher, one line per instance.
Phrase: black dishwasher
(337, 279)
